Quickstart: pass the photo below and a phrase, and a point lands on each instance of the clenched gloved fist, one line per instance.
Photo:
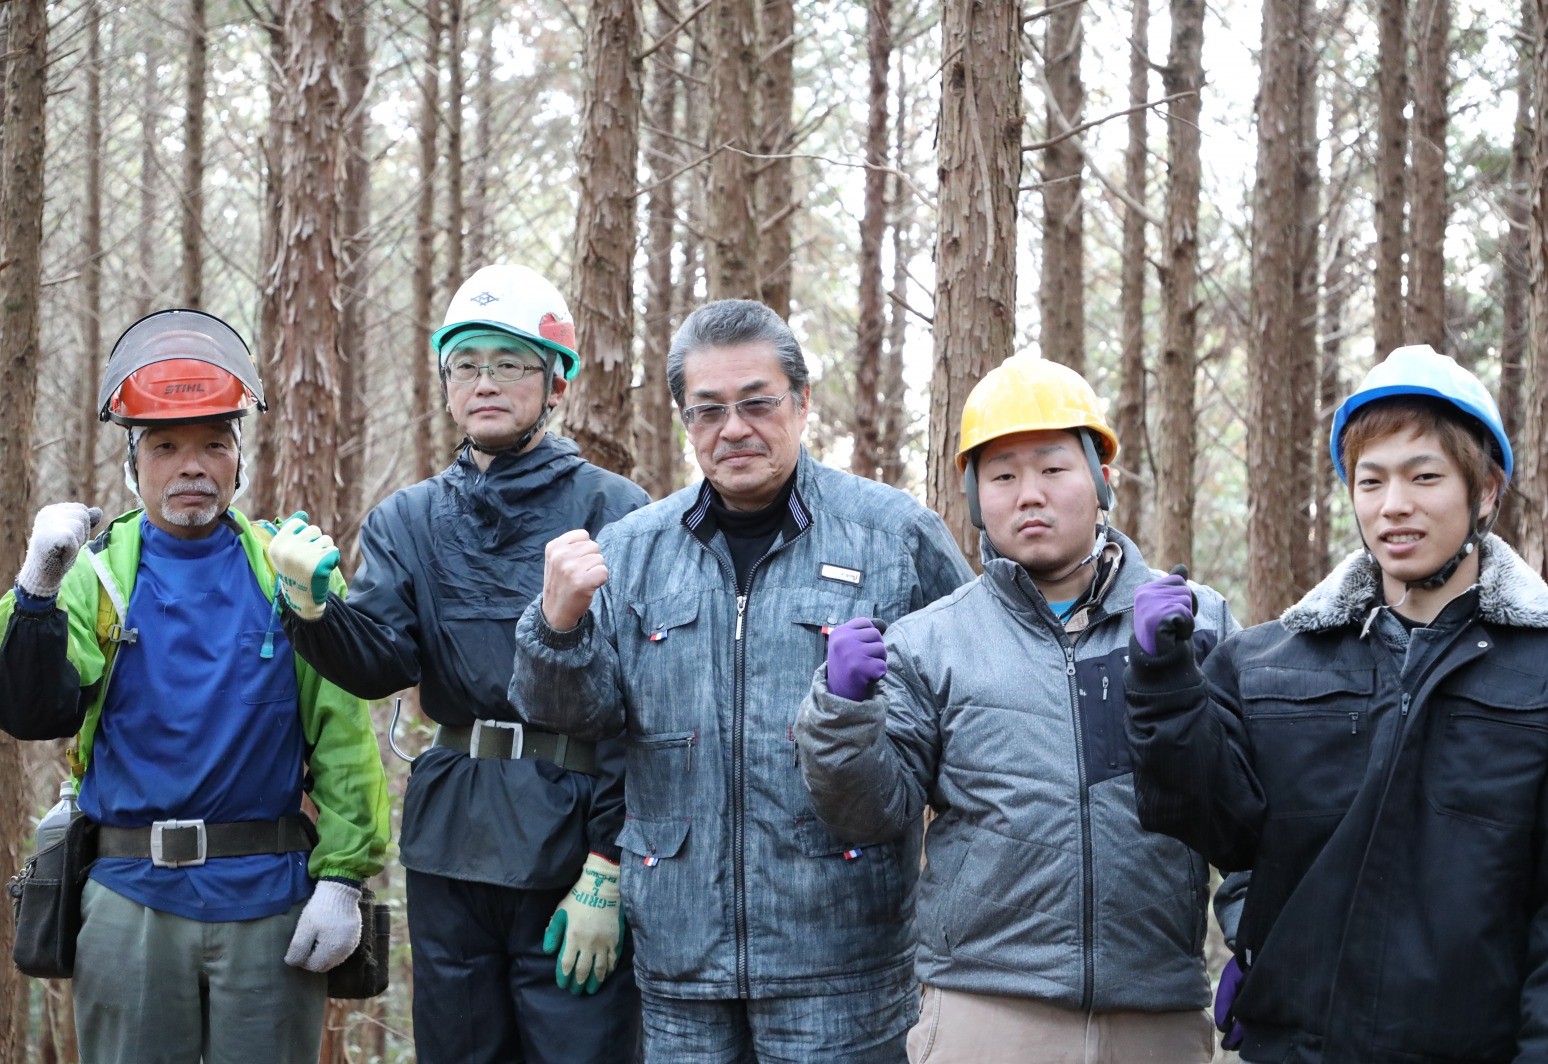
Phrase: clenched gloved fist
(857, 658)
(58, 534)
(303, 558)
(587, 928)
(329, 929)
(1225, 1001)
(1163, 614)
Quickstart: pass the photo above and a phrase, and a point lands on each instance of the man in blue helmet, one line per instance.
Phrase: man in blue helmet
(509, 833)
(1377, 756)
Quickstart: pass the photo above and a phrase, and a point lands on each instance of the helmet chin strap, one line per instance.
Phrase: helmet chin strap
(1439, 577)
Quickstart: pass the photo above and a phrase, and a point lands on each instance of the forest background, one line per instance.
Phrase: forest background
(1220, 215)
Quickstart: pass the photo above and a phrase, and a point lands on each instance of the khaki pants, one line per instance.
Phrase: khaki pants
(958, 1028)
(153, 988)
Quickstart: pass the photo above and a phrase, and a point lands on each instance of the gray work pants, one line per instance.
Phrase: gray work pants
(152, 988)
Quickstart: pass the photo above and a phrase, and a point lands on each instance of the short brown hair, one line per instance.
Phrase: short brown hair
(1464, 440)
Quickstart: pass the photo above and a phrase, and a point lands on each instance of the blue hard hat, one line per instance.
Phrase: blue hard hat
(1420, 370)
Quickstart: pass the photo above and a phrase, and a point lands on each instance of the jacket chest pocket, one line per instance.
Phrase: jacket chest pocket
(1489, 751)
(819, 615)
(1310, 735)
(670, 658)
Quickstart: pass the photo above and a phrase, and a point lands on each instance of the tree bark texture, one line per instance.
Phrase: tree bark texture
(426, 387)
(656, 458)
(873, 228)
(193, 156)
(1062, 293)
(1391, 173)
(355, 281)
(1302, 353)
(85, 486)
(1177, 364)
(483, 105)
(21, 284)
(306, 274)
(599, 411)
(1531, 468)
(150, 290)
(264, 429)
(892, 427)
(1432, 80)
(1517, 250)
(734, 259)
(1130, 414)
(979, 171)
(1272, 505)
(774, 184)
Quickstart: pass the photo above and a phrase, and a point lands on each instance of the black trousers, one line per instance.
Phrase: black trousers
(484, 990)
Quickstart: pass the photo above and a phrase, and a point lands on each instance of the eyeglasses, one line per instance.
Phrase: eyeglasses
(502, 370)
(713, 415)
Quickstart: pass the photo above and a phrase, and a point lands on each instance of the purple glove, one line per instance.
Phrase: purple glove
(1225, 997)
(1163, 614)
(857, 658)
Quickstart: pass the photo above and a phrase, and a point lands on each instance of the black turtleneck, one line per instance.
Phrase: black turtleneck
(750, 533)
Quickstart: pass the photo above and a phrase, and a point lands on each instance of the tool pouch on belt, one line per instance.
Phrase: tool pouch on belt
(46, 902)
(363, 974)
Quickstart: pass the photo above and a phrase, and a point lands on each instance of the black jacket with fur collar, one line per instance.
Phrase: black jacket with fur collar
(1395, 822)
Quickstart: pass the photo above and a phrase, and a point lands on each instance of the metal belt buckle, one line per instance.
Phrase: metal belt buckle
(179, 841)
(505, 746)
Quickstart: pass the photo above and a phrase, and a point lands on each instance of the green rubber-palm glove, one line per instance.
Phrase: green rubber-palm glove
(587, 929)
(303, 559)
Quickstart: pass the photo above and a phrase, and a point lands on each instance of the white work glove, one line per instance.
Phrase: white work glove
(329, 929)
(303, 558)
(587, 928)
(58, 533)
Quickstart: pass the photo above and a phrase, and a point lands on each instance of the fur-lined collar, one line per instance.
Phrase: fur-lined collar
(1509, 592)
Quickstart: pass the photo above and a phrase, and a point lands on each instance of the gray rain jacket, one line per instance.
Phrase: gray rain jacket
(731, 885)
(1039, 880)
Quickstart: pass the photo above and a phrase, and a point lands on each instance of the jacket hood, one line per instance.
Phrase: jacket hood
(1509, 592)
(511, 478)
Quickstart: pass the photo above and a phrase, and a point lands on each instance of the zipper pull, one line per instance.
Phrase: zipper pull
(1406, 697)
(1354, 724)
(692, 742)
(1069, 661)
(1105, 681)
(741, 609)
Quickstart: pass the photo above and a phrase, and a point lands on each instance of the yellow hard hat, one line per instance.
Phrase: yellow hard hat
(1026, 393)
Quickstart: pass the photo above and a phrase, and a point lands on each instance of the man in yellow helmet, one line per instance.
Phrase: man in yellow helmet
(1050, 926)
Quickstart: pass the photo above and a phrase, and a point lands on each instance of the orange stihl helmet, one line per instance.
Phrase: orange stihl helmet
(179, 366)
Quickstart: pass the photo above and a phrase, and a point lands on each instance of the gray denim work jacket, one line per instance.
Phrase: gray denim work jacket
(1040, 882)
(731, 885)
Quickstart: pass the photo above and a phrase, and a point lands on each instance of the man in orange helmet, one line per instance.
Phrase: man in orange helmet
(215, 906)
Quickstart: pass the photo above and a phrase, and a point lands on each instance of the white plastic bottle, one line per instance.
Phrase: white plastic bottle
(56, 822)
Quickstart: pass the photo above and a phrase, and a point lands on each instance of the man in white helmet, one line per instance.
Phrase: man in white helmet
(509, 833)
(1377, 756)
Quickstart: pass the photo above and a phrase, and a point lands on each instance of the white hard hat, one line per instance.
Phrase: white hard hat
(517, 300)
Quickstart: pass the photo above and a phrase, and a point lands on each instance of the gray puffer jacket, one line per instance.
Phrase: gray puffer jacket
(1039, 880)
(730, 883)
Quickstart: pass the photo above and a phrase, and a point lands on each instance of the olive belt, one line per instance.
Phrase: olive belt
(507, 740)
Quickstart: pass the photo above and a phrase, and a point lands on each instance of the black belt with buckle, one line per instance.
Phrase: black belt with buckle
(183, 843)
(507, 740)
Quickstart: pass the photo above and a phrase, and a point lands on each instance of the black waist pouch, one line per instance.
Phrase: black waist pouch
(46, 903)
(363, 974)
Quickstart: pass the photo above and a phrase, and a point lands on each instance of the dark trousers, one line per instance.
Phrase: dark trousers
(484, 990)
